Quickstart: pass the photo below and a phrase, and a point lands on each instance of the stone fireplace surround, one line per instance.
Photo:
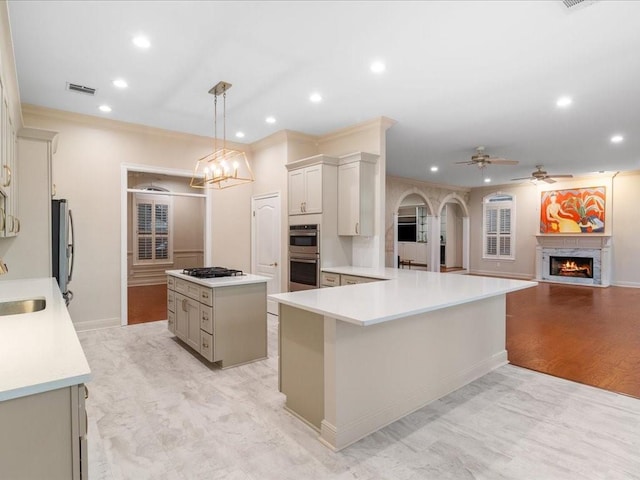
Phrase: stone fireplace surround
(597, 247)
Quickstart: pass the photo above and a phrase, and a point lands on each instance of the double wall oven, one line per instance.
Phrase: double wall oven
(304, 257)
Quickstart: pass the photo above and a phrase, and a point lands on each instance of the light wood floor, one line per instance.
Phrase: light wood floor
(585, 334)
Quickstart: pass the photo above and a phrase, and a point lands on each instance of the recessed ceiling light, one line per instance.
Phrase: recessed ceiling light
(120, 83)
(617, 139)
(141, 41)
(240, 134)
(104, 108)
(270, 119)
(564, 102)
(378, 67)
(434, 169)
(315, 97)
(487, 180)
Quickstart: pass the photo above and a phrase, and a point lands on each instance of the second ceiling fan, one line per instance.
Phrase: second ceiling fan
(541, 174)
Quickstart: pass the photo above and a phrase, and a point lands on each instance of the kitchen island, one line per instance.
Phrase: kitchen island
(224, 319)
(358, 357)
(42, 375)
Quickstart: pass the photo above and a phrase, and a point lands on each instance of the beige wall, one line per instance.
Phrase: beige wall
(621, 220)
(87, 171)
(625, 224)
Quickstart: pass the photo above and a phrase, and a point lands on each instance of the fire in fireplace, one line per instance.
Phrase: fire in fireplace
(581, 267)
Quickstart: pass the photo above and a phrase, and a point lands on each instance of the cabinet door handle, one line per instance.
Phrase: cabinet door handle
(86, 392)
(18, 220)
(205, 344)
(3, 219)
(275, 264)
(357, 225)
(8, 169)
(184, 304)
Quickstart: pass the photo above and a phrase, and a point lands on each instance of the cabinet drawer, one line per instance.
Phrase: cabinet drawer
(171, 300)
(206, 296)
(329, 279)
(206, 345)
(171, 321)
(206, 318)
(191, 290)
(171, 283)
(353, 280)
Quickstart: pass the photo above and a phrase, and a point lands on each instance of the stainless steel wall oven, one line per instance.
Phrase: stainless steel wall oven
(304, 257)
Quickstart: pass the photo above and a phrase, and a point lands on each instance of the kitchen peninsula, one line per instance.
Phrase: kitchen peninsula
(358, 357)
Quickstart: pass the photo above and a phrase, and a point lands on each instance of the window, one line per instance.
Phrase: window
(498, 227)
(154, 229)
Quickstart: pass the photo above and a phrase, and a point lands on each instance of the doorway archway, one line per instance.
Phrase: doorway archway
(453, 234)
(413, 220)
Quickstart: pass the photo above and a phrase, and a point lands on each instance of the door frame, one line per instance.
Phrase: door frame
(277, 196)
(124, 190)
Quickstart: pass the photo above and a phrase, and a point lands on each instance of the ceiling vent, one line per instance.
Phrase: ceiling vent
(74, 87)
(576, 4)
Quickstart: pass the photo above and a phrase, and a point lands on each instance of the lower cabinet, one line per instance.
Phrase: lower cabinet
(329, 279)
(44, 436)
(227, 325)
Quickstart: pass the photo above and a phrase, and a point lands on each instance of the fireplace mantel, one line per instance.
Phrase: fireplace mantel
(597, 246)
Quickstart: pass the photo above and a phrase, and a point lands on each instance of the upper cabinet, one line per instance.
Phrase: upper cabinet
(9, 221)
(356, 194)
(310, 182)
(305, 190)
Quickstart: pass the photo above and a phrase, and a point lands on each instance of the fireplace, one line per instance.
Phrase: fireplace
(580, 267)
(574, 259)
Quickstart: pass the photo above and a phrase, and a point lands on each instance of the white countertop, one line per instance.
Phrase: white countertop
(244, 279)
(406, 292)
(39, 351)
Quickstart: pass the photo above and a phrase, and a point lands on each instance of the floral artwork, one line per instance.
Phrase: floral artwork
(578, 210)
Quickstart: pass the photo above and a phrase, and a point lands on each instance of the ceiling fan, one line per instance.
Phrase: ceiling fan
(541, 174)
(482, 159)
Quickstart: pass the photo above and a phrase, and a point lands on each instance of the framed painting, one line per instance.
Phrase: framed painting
(577, 210)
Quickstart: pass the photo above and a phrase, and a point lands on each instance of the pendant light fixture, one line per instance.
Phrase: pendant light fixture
(224, 167)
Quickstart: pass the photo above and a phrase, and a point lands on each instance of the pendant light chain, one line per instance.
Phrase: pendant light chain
(224, 119)
(215, 123)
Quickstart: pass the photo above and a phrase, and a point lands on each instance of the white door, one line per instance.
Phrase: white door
(266, 243)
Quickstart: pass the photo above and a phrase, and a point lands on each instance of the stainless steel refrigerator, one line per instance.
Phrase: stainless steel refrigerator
(62, 239)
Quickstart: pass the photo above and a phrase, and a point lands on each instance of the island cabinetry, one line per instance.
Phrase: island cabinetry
(224, 321)
(171, 305)
(44, 436)
(356, 195)
(312, 184)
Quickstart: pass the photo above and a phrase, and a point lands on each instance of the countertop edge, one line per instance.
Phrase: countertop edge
(219, 282)
(45, 387)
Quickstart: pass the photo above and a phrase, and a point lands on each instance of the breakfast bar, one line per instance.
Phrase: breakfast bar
(358, 357)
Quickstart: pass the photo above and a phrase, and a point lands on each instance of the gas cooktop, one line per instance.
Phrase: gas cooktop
(211, 272)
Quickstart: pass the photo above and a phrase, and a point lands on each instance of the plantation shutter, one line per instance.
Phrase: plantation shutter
(498, 227)
(152, 237)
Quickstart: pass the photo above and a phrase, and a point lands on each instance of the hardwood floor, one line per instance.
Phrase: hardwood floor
(585, 334)
(147, 303)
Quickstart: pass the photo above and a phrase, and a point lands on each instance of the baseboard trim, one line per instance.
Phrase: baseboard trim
(97, 324)
(626, 284)
(338, 438)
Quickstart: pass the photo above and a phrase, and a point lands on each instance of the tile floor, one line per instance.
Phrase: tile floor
(157, 412)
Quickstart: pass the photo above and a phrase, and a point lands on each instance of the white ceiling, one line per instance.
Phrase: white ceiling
(459, 74)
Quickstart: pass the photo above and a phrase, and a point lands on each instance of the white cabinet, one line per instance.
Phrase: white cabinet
(355, 280)
(356, 195)
(305, 190)
(9, 221)
(223, 324)
(328, 279)
(44, 435)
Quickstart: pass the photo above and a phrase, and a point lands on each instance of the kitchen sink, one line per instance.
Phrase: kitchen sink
(28, 305)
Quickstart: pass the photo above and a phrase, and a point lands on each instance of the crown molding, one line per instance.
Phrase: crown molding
(420, 183)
